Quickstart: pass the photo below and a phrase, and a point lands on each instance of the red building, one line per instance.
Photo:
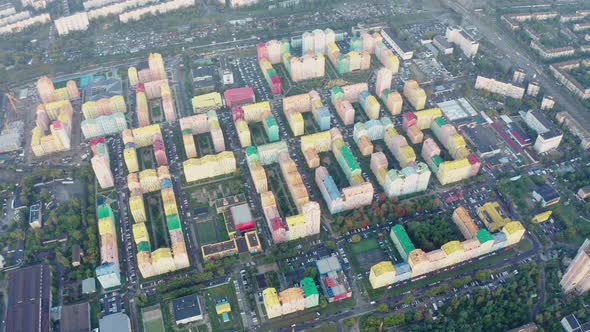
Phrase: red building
(239, 96)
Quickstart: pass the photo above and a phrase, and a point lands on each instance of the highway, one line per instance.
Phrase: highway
(519, 56)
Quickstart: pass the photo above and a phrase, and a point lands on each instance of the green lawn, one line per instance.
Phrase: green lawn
(206, 232)
(212, 296)
(326, 327)
(154, 326)
(364, 246)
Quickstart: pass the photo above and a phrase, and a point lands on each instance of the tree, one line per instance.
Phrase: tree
(395, 319)
(330, 245)
(356, 238)
(409, 298)
(311, 272)
(383, 307)
(323, 302)
(349, 322)
(482, 275)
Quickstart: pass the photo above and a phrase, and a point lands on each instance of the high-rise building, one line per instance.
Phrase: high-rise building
(101, 165)
(46, 90)
(577, 276)
(384, 77)
(156, 66)
(415, 94)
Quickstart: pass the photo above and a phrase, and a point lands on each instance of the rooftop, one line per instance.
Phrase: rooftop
(241, 214)
(186, 307)
(118, 322)
(75, 317)
(483, 137)
(29, 299)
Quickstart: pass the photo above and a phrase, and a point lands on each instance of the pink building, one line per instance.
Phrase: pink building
(239, 96)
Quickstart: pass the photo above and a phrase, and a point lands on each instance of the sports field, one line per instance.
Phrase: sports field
(152, 319)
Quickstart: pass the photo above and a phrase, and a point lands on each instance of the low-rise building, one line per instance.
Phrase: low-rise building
(546, 195)
(458, 36)
(187, 309)
(382, 274)
(118, 322)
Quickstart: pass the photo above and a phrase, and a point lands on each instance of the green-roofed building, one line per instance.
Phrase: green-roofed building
(336, 93)
(348, 163)
(483, 236)
(271, 128)
(144, 246)
(401, 240)
(173, 222)
(310, 292)
(104, 211)
(439, 121)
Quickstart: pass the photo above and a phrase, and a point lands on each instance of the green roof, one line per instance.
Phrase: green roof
(251, 150)
(173, 222)
(104, 211)
(270, 121)
(308, 287)
(384, 95)
(402, 237)
(439, 121)
(349, 158)
(187, 131)
(483, 236)
(437, 160)
(143, 246)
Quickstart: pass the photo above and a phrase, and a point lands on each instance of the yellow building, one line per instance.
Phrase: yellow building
(493, 216)
(149, 180)
(130, 156)
(137, 208)
(207, 102)
(163, 261)
(209, 166)
(415, 94)
(272, 303)
(454, 251)
(292, 300)
(453, 171)
(140, 233)
(514, 232)
(425, 117)
(222, 308)
(541, 217)
(382, 274)
(132, 75)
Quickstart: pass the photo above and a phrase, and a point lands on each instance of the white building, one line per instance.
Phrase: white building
(457, 36)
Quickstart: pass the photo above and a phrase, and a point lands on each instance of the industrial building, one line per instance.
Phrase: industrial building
(483, 138)
(576, 278)
(187, 309)
(75, 317)
(29, 299)
(333, 280)
(203, 77)
(118, 322)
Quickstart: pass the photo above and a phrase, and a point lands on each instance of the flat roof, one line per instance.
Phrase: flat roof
(203, 72)
(457, 109)
(186, 307)
(547, 192)
(29, 293)
(241, 214)
(75, 318)
(219, 247)
(442, 41)
(402, 45)
(118, 322)
(483, 137)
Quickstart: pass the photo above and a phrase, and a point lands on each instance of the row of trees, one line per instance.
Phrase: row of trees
(382, 210)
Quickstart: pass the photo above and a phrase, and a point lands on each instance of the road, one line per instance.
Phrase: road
(519, 56)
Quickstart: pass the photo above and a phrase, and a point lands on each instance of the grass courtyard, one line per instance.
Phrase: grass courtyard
(213, 296)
